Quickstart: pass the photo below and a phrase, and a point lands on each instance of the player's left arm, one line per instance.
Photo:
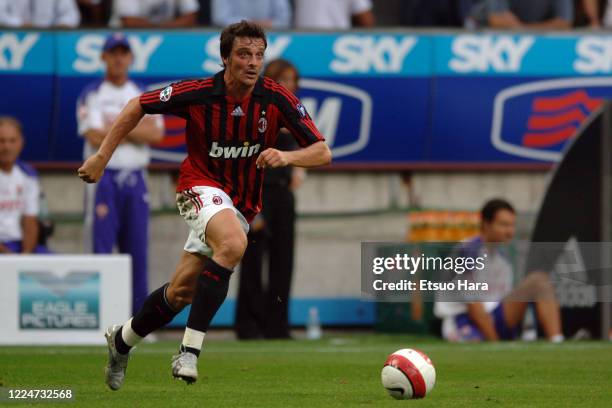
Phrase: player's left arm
(314, 151)
(315, 155)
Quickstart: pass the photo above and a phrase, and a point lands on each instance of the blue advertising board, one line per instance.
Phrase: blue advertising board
(380, 98)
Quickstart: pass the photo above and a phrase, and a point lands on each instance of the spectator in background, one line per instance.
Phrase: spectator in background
(19, 194)
(500, 317)
(588, 13)
(333, 15)
(265, 312)
(39, 13)
(522, 14)
(204, 17)
(267, 13)
(94, 13)
(432, 13)
(117, 208)
(155, 13)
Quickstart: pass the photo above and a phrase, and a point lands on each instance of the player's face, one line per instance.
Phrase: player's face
(288, 78)
(501, 228)
(118, 61)
(11, 144)
(246, 60)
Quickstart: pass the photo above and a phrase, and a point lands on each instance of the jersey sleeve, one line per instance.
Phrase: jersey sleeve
(32, 196)
(295, 118)
(89, 114)
(174, 99)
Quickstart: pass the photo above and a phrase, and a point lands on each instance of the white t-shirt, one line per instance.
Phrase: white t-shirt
(498, 274)
(328, 14)
(39, 13)
(97, 108)
(19, 196)
(156, 11)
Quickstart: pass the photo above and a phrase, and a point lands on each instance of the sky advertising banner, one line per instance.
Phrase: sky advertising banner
(380, 98)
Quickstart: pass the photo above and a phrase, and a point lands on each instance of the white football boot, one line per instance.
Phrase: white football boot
(117, 363)
(185, 367)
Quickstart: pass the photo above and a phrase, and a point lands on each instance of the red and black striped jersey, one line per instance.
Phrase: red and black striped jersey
(225, 136)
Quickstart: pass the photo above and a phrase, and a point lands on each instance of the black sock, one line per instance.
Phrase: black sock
(213, 284)
(185, 349)
(154, 314)
(121, 346)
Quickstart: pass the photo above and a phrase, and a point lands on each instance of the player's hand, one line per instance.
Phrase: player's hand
(91, 171)
(272, 158)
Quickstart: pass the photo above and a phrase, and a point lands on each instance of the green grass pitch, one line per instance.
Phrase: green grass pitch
(342, 371)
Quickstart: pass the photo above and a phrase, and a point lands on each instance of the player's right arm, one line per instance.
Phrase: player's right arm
(91, 171)
(482, 320)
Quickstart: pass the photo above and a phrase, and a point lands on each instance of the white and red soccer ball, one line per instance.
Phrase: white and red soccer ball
(408, 374)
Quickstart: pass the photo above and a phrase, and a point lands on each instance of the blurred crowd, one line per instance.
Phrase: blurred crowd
(308, 14)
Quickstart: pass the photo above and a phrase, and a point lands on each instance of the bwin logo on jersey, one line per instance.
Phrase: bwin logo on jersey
(233, 152)
(165, 95)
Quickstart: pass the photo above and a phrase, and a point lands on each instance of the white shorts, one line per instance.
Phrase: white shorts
(197, 206)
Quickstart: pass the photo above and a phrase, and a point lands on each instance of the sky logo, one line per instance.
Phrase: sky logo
(537, 119)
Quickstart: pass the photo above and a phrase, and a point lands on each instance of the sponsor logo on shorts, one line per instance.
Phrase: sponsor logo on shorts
(217, 200)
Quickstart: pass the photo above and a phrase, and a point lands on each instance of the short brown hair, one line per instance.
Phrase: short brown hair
(242, 29)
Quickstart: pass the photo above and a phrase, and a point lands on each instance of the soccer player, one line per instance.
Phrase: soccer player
(499, 319)
(117, 209)
(232, 122)
(19, 194)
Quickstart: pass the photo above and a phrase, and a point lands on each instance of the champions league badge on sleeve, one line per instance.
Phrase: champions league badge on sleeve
(301, 110)
(165, 95)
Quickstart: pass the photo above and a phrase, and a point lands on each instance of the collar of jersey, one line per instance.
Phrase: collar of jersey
(219, 85)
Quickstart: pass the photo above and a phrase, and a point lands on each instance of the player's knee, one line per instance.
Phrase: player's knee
(540, 281)
(179, 296)
(231, 249)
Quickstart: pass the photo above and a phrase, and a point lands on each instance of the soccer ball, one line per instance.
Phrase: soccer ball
(408, 374)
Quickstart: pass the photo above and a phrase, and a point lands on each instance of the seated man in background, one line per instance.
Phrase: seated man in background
(523, 14)
(499, 320)
(19, 194)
